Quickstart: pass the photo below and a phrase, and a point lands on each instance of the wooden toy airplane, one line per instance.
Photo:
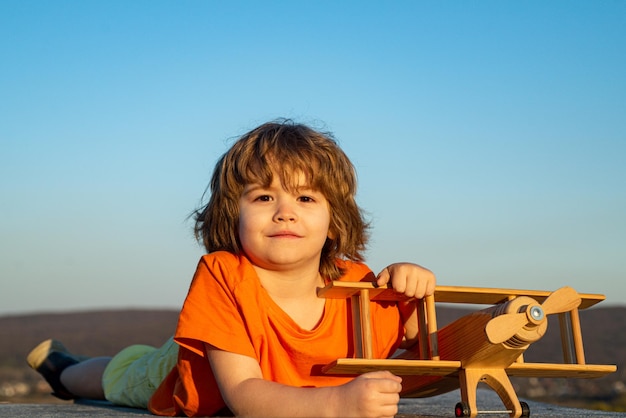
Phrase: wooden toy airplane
(485, 346)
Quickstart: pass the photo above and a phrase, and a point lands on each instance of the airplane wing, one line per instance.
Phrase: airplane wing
(402, 367)
(449, 294)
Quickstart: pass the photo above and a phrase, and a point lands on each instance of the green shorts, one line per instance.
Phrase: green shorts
(134, 373)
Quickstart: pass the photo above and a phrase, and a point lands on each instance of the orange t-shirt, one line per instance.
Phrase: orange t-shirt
(228, 308)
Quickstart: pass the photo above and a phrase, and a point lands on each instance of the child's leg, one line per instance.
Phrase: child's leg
(51, 359)
(136, 372)
(127, 379)
(84, 379)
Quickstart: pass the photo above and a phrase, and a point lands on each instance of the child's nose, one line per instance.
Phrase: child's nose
(285, 212)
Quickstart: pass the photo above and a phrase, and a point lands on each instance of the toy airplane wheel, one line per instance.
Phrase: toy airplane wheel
(462, 410)
(525, 409)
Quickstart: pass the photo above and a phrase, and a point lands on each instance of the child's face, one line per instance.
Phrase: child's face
(280, 230)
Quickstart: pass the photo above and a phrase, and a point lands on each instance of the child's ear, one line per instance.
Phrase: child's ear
(331, 235)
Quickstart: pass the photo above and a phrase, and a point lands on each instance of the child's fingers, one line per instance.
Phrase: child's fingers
(382, 374)
(409, 279)
(430, 286)
(389, 386)
(383, 382)
(383, 277)
(420, 284)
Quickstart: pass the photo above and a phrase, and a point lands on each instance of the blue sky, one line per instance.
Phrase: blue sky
(489, 136)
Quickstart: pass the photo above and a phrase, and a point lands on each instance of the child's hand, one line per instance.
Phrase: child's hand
(373, 394)
(413, 281)
(409, 279)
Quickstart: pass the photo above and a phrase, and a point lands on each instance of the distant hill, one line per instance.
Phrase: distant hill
(97, 333)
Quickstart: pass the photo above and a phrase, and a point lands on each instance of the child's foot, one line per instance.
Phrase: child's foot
(49, 359)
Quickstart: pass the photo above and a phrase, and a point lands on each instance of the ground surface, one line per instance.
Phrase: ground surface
(439, 406)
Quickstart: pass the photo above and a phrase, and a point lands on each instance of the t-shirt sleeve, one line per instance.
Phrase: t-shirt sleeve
(211, 313)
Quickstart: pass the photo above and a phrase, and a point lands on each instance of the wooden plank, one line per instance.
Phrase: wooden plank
(450, 294)
(450, 367)
(357, 325)
(559, 370)
(342, 290)
(489, 296)
(395, 366)
(577, 336)
(366, 324)
(431, 318)
(424, 347)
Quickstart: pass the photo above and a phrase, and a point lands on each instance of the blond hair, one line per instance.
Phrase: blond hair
(285, 149)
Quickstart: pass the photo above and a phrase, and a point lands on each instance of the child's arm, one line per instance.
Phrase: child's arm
(246, 393)
(413, 281)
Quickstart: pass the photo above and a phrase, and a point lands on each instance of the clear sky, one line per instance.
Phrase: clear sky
(489, 136)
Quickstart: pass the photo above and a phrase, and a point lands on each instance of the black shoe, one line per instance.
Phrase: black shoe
(49, 359)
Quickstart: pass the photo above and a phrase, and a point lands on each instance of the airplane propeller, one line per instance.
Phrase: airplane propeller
(505, 326)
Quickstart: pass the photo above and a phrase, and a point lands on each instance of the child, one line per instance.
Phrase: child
(252, 335)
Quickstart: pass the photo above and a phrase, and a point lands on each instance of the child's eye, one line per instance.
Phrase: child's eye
(263, 198)
(306, 199)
